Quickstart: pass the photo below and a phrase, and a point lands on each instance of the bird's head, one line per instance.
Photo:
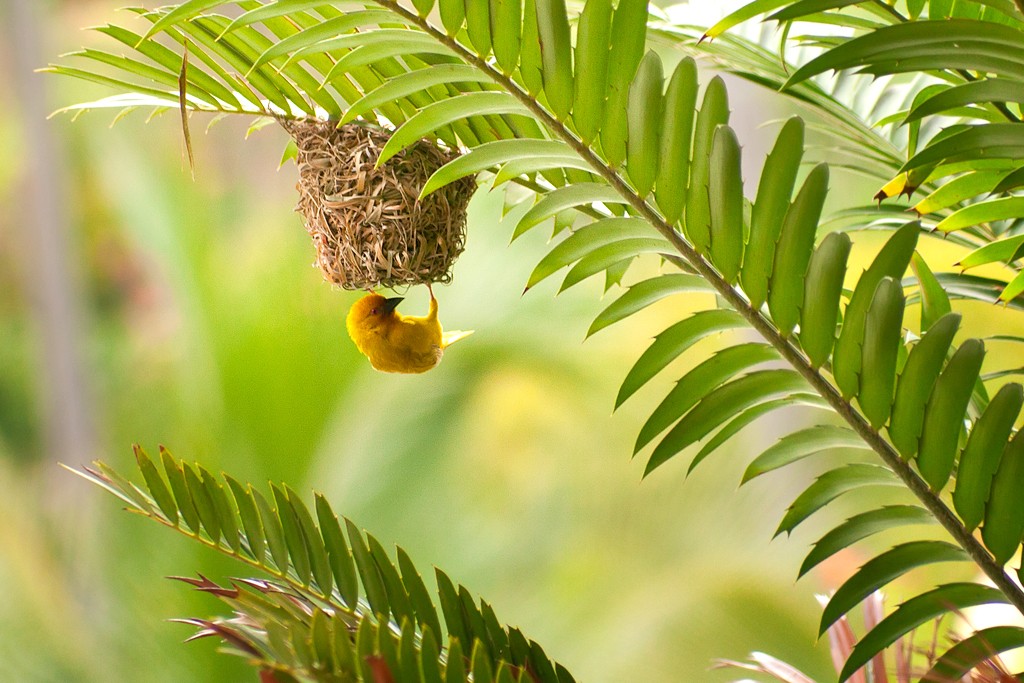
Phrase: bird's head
(373, 310)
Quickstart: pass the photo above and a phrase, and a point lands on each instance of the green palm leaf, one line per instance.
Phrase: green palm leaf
(635, 171)
(308, 619)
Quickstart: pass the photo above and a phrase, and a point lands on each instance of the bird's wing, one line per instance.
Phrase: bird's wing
(449, 338)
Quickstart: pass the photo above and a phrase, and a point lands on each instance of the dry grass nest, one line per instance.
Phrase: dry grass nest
(367, 226)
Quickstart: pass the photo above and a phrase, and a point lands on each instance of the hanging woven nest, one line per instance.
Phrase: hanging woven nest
(367, 226)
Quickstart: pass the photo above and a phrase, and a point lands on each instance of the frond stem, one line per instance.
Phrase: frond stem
(755, 318)
(886, 7)
(306, 590)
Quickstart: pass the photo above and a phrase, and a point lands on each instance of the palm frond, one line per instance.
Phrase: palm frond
(336, 607)
(958, 123)
(615, 180)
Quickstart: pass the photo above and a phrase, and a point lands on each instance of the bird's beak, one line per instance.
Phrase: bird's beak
(390, 304)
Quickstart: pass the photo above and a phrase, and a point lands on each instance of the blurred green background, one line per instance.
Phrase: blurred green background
(138, 305)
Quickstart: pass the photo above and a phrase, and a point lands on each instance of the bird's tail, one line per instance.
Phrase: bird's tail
(449, 338)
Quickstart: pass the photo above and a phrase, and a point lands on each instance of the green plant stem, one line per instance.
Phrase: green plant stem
(886, 7)
(307, 591)
(755, 318)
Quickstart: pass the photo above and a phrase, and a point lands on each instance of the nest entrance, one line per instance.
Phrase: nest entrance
(367, 226)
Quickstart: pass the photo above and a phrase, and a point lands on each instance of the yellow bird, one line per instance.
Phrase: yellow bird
(395, 342)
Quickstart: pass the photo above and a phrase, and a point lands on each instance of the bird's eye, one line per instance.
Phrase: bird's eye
(373, 311)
